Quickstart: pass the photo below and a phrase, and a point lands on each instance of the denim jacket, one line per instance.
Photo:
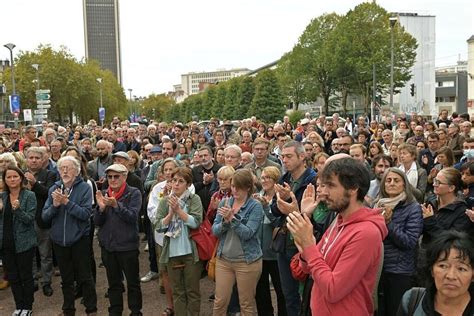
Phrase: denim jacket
(247, 223)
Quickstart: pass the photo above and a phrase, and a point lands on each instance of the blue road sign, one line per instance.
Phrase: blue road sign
(102, 114)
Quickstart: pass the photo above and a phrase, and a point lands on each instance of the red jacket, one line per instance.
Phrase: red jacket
(345, 263)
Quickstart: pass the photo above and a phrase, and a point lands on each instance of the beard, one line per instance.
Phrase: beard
(340, 205)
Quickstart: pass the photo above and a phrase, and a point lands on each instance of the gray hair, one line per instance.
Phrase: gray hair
(76, 163)
(299, 148)
(408, 188)
(234, 148)
(10, 158)
(37, 150)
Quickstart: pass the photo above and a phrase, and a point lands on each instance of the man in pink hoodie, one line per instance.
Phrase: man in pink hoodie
(345, 263)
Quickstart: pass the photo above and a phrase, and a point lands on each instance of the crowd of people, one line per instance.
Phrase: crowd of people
(341, 217)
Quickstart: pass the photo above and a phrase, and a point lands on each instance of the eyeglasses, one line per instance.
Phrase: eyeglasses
(265, 178)
(230, 157)
(113, 176)
(437, 182)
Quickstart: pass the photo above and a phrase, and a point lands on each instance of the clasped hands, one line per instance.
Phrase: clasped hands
(226, 211)
(104, 201)
(59, 198)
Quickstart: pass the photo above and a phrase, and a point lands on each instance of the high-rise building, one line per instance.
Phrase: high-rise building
(102, 34)
(422, 28)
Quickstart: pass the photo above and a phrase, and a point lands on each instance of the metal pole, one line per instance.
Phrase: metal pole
(10, 47)
(373, 93)
(393, 20)
(130, 104)
(36, 66)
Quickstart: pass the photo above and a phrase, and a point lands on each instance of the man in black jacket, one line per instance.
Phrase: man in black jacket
(39, 181)
(204, 174)
(116, 214)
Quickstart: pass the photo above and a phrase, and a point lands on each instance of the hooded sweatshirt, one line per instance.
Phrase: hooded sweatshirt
(345, 263)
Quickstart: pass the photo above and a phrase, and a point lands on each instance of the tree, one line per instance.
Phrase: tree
(313, 43)
(231, 108)
(220, 100)
(245, 95)
(267, 104)
(73, 85)
(156, 105)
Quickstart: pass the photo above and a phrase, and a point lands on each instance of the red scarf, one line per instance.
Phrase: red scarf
(117, 195)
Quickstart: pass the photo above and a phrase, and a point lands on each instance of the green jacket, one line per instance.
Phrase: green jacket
(194, 209)
(24, 232)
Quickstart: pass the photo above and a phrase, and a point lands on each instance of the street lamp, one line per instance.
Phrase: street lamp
(10, 47)
(99, 80)
(130, 103)
(393, 20)
(36, 66)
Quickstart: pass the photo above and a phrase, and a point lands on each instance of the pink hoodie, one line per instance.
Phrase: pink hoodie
(345, 263)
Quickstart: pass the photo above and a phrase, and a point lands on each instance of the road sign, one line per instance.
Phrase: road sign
(43, 101)
(27, 115)
(14, 103)
(43, 91)
(41, 117)
(42, 111)
(43, 106)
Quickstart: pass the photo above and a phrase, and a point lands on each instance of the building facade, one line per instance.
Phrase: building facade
(195, 82)
(470, 74)
(102, 34)
(422, 28)
(451, 88)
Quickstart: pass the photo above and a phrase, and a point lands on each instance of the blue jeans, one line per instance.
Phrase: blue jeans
(289, 285)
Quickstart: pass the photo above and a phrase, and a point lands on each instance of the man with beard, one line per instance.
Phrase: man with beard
(204, 174)
(380, 163)
(96, 168)
(295, 180)
(345, 264)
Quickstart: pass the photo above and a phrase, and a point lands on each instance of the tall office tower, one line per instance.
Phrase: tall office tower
(102, 34)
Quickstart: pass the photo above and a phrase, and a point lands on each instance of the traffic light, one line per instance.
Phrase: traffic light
(412, 89)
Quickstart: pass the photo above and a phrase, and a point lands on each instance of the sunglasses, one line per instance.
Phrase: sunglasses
(113, 176)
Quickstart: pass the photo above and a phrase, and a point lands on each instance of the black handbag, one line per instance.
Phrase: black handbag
(279, 238)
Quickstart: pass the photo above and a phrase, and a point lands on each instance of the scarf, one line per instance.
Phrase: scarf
(390, 202)
(176, 225)
(119, 194)
(412, 174)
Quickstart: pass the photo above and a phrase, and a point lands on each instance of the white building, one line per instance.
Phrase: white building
(193, 82)
(470, 75)
(422, 28)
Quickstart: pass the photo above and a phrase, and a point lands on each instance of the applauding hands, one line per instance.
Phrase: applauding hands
(104, 201)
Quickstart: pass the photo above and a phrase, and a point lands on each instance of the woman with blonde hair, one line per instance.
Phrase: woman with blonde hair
(134, 163)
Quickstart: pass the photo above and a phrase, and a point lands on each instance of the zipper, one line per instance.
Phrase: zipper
(64, 227)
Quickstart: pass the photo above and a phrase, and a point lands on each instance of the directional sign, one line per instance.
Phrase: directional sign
(41, 117)
(43, 106)
(43, 91)
(41, 111)
(43, 101)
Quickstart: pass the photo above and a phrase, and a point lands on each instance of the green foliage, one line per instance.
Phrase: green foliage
(231, 108)
(220, 100)
(267, 104)
(156, 105)
(245, 96)
(295, 116)
(73, 85)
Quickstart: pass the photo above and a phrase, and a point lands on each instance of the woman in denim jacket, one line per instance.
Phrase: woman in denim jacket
(239, 253)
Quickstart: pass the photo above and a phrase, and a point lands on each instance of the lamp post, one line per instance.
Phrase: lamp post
(36, 66)
(130, 103)
(393, 21)
(99, 80)
(10, 47)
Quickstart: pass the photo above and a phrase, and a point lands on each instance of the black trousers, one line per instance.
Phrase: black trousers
(75, 265)
(20, 276)
(391, 289)
(116, 264)
(263, 296)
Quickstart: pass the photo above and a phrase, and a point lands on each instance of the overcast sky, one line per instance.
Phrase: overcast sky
(160, 40)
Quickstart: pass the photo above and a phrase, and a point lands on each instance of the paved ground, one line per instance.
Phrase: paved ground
(153, 301)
